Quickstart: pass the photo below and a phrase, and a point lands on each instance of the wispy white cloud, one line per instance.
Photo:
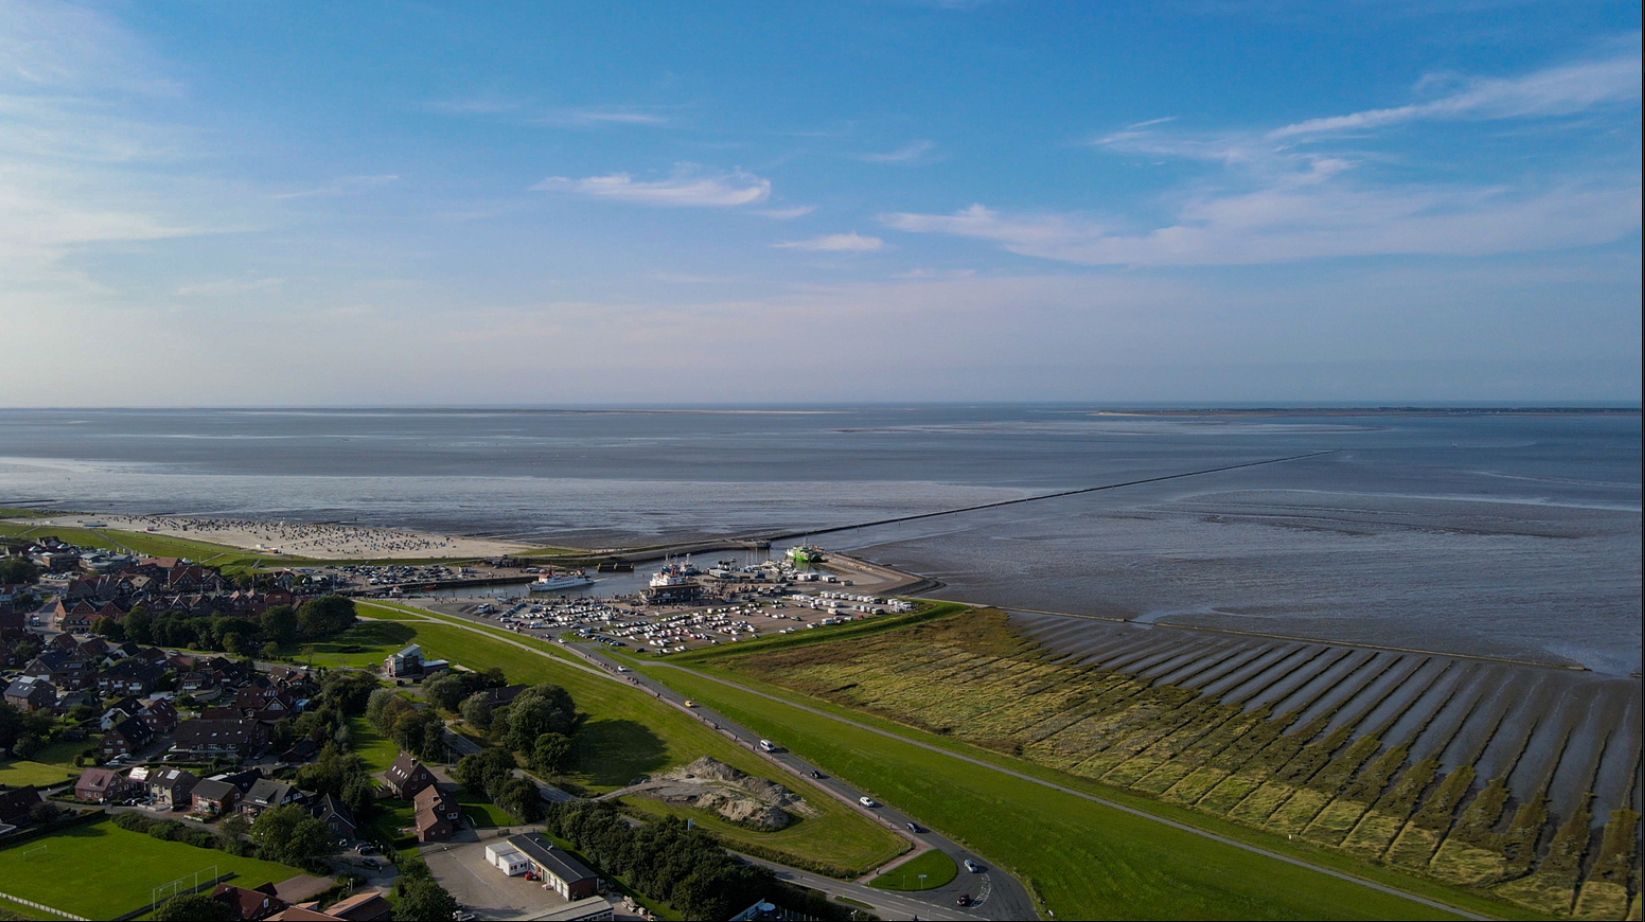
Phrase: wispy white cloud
(226, 287)
(1551, 92)
(1279, 225)
(473, 105)
(911, 152)
(346, 185)
(680, 190)
(616, 115)
(834, 243)
(788, 214)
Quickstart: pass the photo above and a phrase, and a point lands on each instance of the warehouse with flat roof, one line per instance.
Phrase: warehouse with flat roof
(569, 877)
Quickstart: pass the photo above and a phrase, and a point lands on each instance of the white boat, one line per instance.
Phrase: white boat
(554, 582)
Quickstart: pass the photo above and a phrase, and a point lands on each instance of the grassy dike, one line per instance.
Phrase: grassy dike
(959, 823)
(629, 733)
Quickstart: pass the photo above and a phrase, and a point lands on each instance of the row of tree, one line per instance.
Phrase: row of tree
(666, 860)
(277, 628)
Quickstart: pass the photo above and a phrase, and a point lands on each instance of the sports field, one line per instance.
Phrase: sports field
(101, 871)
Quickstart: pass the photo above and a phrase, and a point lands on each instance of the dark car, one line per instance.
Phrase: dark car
(815, 773)
(964, 900)
(913, 827)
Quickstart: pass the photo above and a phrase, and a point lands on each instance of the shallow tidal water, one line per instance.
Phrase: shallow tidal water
(1511, 535)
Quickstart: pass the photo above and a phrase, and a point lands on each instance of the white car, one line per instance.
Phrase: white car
(867, 801)
(972, 866)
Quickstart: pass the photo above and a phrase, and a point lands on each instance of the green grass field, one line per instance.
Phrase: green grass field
(937, 867)
(629, 734)
(101, 871)
(363, 646)
(375, 752)
(834, 838)
(1087, 860)
(18, 773)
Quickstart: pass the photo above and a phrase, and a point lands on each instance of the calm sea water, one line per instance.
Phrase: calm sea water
(1497, 534)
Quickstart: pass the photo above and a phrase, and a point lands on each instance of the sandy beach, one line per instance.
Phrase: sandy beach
(292, 539)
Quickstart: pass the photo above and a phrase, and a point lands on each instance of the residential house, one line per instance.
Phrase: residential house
(336, 815)
(125, 738)
(101, 785)
(303, 751)
(219, 739)
(246, 905)
(438, 816)
(407, 777)
(160, 716)
(502, 697)
(363, 906)
(267, 794)
(169, 787)
(214, 797)
(31, 693)
(129, 677)
(69, 670)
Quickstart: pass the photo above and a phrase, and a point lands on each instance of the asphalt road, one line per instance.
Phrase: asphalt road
(997, 894)
(1081, 794)
(994, 894)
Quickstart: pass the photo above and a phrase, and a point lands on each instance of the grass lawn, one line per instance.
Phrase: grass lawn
(628, 734)
(484, 813)
(101, 871)
(1087, 860)
(16, 774)
(937, 867)
(363, 646)
(834, 838)
(375, 751)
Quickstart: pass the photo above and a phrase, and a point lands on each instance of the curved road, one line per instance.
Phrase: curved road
(995, 894)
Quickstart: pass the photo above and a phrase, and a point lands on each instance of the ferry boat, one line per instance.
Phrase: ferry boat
(554, 582)
(673, 574)
(804, 555)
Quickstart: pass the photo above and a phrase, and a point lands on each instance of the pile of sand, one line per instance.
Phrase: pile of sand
(709, 784)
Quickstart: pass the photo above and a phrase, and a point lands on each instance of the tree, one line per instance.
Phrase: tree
(446, 691)
(551, 753)
(423, 899)
(421, 733)
(17, 570)
(279, 624)
(289, 835)
(196, 907)
(348, 691)
(521, 799)
(140, 625)
(383, 707)
(487, 770)
(327, 615)
(234, 826)
(477, 711)
(538, 710)
(11, 726)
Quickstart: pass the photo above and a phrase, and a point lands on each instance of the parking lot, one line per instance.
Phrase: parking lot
(461, 868)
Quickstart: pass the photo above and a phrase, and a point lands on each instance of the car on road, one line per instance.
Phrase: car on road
(964, 900)
(972, 866)
(816, 774)
(913, 827)
(867, 801)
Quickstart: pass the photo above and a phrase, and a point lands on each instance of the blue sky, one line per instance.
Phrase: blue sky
(273, 203)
